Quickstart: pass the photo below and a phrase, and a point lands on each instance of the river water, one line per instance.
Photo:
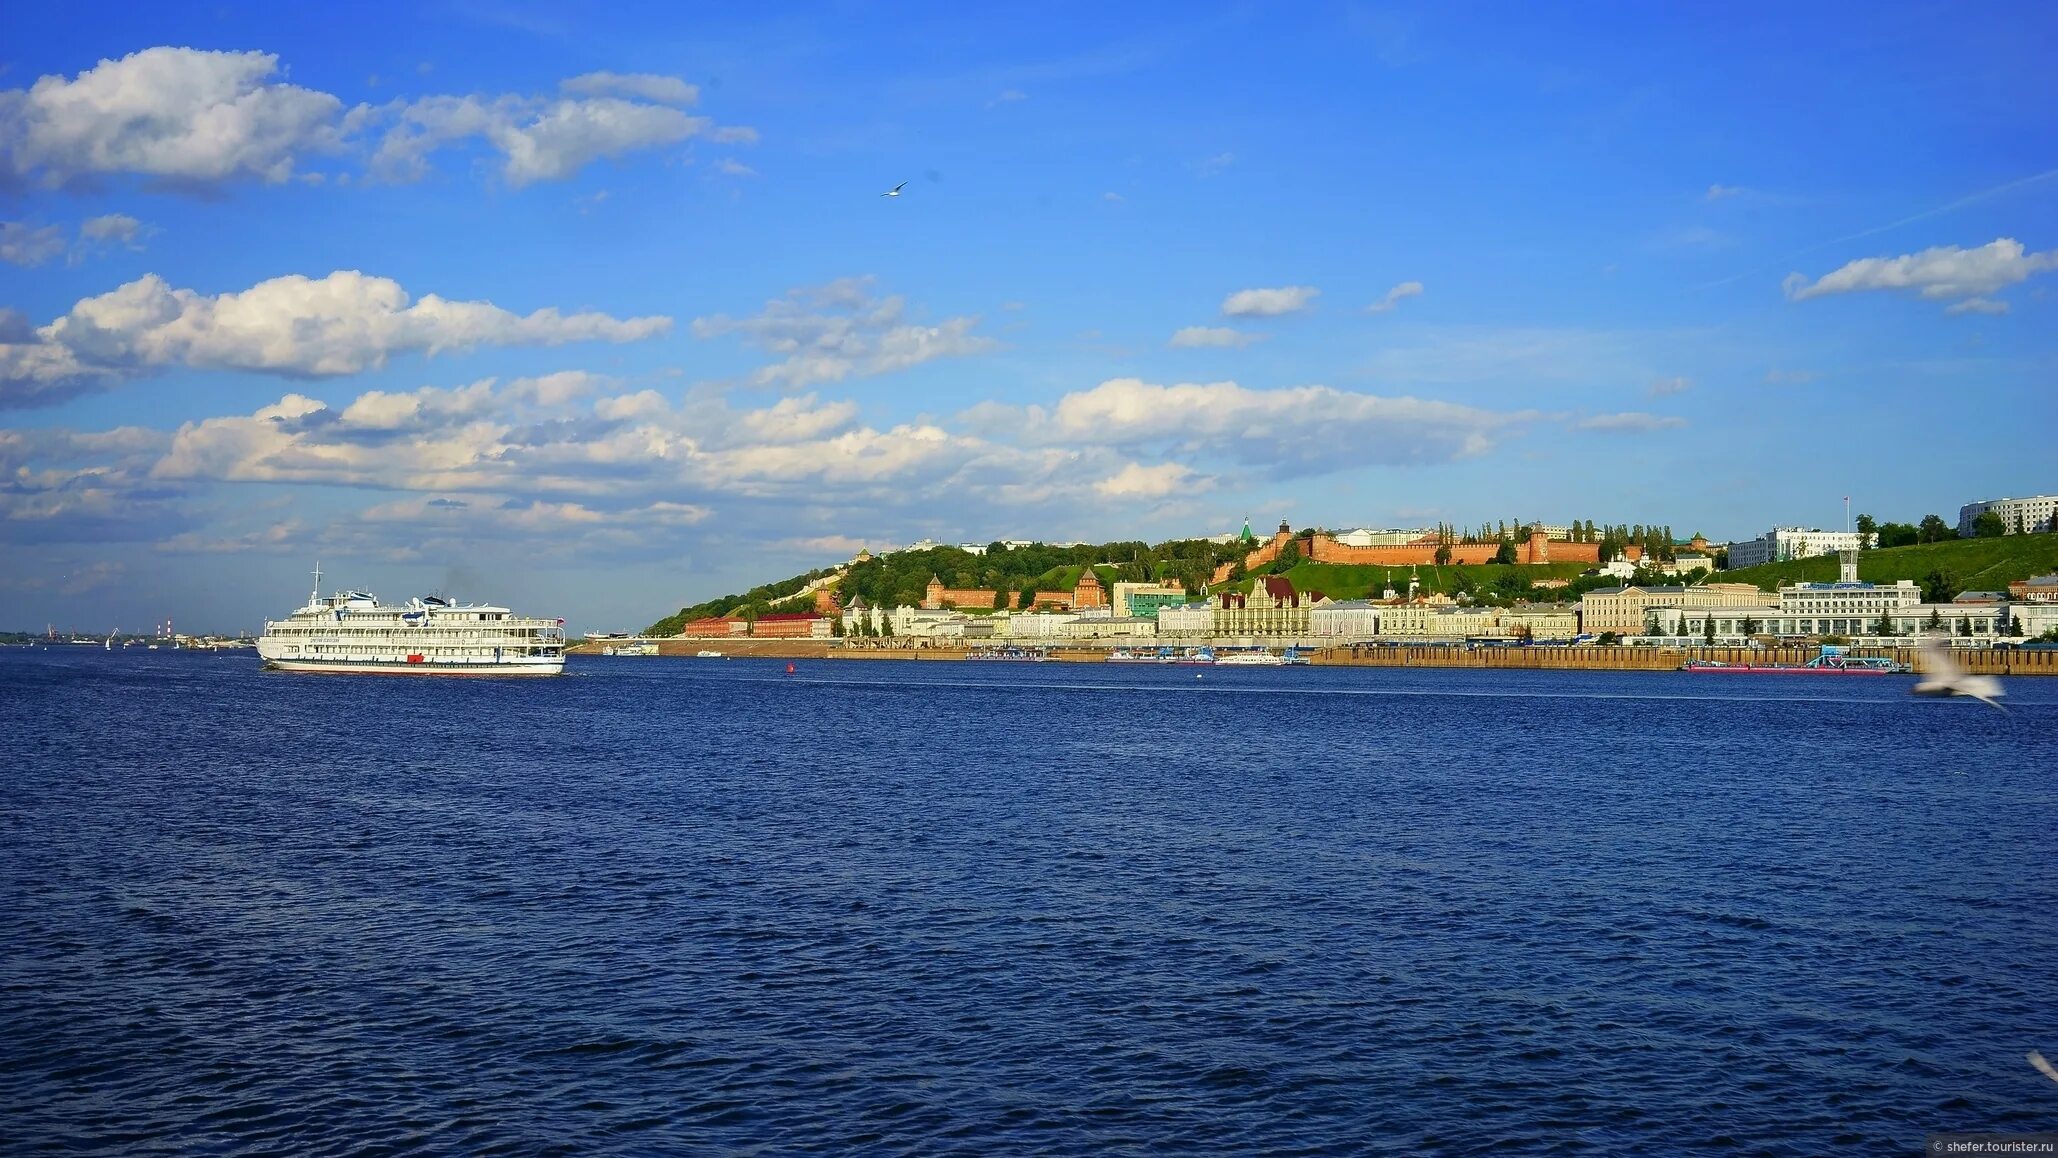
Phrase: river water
(673, 906)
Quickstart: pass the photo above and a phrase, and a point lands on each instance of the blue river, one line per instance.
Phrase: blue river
(697, 906)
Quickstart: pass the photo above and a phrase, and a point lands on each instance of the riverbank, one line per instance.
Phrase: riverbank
(1981, 661)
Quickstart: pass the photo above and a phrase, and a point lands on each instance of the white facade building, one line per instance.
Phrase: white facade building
(1783, 543)
(1850, 606)
(1344, 620)
(2019, 516)
(1364, 537)
(923, 623)
(1038, 624)
(1194, 619)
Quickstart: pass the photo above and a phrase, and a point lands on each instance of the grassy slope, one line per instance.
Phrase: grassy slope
(1357, 581)
(1979, 564)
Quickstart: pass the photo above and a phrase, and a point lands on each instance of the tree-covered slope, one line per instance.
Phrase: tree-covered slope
(1970, 564)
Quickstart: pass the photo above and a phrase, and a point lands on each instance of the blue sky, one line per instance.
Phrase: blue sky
(598, 310)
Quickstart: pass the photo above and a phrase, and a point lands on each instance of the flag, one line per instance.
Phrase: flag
(560, 621)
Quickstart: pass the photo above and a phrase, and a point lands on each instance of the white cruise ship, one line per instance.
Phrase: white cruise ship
(353, 632)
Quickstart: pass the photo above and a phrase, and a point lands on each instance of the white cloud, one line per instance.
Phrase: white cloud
(1215, 164)
(541, 140)
(666, 90)
(828, 333)
(1718, 192)
(1394, 297)
(1137, 481)
(197, 118)
(1938, 273)
(344, 323)
(1269, 303)
(23, 245)
(1299, 429)
(179, 114)
(1112, 197)
(731, 167)
(1977, 306)
(111, 229)
(1631, 421)
(1674, 385)
(1008, 96)
(1194, 337)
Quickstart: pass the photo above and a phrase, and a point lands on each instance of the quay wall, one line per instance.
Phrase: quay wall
(1978, 661)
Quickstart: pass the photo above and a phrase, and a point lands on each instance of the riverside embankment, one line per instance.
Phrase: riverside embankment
(1982, 661)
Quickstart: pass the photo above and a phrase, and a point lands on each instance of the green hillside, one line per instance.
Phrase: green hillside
(898, 579)
(1971, 564)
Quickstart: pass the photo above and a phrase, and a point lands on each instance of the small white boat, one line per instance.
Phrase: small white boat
(1249, 659)
(707, 655)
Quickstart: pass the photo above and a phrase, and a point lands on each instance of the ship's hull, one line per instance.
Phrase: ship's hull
(524, 666)
(1797, 669)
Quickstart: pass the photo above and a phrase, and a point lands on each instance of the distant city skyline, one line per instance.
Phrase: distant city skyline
(600, 313)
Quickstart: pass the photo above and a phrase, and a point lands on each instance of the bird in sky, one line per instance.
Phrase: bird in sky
(895, 191)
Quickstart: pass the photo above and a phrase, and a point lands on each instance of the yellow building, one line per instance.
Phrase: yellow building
(1626, 610)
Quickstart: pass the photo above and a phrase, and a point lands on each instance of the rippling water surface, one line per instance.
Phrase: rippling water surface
(675, 905)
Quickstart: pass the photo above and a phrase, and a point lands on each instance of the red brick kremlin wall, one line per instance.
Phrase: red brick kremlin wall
(1322, 548)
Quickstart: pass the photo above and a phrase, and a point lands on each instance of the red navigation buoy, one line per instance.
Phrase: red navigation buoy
(789, 669)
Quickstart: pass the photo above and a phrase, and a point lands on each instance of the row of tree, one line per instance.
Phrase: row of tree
(1933, 529)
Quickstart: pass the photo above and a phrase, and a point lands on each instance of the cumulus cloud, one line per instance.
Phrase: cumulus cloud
(182, 115)
(1394, 297)
(731, 167)
(1939, 273)
(29, 246)
(1674, 385)
(668, 90)
(1294, 430)
(1269, 303)
(831, 332)
(1137, 481)
(111, 229)
(1196, 337)
(60, 485)
(541, 140)
(1630, 422)
(297, 326)
(190, 118)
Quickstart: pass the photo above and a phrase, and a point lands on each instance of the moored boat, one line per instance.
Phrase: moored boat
(1009, 654)
(1828, 664)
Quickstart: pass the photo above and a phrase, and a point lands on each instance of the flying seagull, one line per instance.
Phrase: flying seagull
(1945, 678)
(895, 191)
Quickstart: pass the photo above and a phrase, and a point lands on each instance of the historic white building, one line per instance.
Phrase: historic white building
(2019, 516)
(1782, 543)
(1364, 537)
(1344, 620)
(1194, 619)
(1036, 624)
